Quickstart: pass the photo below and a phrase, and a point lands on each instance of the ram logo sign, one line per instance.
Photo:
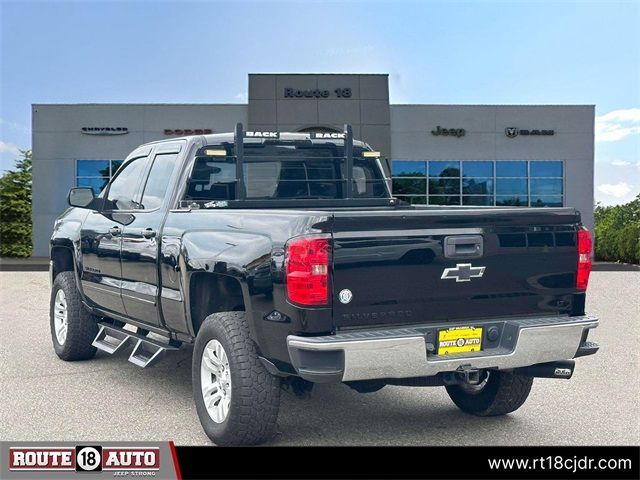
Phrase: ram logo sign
(512, 132)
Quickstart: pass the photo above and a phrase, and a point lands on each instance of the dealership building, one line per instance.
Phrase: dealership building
(520, 155)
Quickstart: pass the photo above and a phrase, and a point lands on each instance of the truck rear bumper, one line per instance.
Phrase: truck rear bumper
(410, 352)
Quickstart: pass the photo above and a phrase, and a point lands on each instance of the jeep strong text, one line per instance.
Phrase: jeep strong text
(285, 261)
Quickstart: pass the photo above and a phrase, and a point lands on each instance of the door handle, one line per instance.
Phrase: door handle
(148, 233)
(115, 230)
(464, 246)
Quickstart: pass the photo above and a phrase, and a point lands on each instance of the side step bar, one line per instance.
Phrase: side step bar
(146, 351)
(110, 339)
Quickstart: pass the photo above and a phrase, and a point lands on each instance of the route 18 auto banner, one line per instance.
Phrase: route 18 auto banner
(64, 460)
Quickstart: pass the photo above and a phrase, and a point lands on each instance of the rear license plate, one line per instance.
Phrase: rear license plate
(459, 340)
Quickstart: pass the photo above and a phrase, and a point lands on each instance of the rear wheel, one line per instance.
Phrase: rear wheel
(499, 393)
(236, 398)
(73, 328)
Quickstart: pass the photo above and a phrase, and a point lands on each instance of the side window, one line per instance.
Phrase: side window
(368, 181)
(212, 178)
(158, 180)
(123, 190)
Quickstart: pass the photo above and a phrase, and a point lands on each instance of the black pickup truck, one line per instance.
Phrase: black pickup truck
(284, 259)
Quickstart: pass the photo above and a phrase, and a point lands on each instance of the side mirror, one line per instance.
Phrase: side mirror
(81, 197)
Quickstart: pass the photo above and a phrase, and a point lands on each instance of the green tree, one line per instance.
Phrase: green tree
(617, 232)
(15, 209)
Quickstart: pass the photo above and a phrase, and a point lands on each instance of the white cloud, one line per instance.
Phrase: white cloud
(617, 190)
(621, 163)
(618, 124)
(9, 148)
(242, 97)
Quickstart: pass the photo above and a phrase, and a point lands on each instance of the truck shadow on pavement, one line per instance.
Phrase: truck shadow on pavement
(338, 415)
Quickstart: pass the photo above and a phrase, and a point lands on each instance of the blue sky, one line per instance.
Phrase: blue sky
(489, 52)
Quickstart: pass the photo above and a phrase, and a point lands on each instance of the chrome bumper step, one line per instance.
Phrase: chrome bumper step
(407, 352)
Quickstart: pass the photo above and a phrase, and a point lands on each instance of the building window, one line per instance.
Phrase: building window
(517, 183)
(410, 181)
(95, 173)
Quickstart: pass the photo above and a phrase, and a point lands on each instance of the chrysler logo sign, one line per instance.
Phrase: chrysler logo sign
(513, 132)
(104, 130)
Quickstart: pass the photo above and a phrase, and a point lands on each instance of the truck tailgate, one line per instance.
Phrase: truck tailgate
(395, 265)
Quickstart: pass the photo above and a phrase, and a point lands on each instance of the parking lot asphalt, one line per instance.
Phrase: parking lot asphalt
(110, 399)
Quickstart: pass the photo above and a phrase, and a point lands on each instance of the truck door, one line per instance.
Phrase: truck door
(101, 237)
(141, 237)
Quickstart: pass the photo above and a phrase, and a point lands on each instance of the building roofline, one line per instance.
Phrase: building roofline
(141, 104)
(117, 104)
(316, 73)
(492, 105)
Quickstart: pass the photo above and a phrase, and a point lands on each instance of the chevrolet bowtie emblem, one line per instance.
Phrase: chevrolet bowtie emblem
(463, 272)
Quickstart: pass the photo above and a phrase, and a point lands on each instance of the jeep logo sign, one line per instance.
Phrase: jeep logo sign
(448, 132)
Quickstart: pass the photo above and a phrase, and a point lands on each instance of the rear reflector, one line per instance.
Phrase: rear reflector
(307, 267)
(584, 258)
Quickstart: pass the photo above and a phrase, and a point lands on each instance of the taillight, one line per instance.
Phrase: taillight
(584, 258)
(307, 267)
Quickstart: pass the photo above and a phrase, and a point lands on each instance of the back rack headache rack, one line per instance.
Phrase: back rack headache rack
(241, 193)
(348, 154)
(239, 151)
(239, 157)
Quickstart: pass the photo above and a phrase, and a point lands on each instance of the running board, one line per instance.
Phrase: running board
(110, 339)
(146, 352)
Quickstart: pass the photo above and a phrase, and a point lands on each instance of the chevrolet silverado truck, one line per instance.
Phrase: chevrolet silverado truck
(285, 261)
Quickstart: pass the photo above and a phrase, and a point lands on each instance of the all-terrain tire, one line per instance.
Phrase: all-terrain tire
(255, 393)
(82, 327)
(504, 392)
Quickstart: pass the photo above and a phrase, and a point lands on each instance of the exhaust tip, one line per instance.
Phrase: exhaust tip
(560, 369)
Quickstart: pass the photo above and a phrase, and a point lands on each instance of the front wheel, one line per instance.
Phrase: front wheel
(236, 398)
(498, 394)
(73, 328)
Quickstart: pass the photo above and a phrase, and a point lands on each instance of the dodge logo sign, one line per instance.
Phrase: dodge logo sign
(463, 272)
(187, 131)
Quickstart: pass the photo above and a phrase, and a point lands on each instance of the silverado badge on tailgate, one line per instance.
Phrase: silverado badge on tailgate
(459, 340)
